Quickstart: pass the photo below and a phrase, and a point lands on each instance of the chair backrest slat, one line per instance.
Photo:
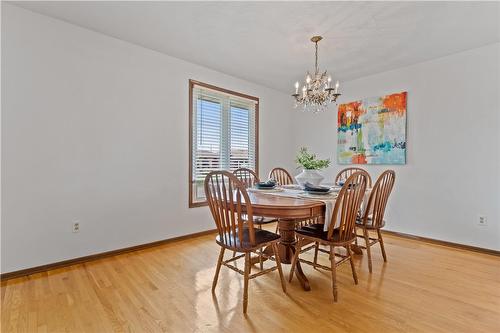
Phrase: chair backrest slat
(375, 209)
(232, 209)
(228, 201)
(347, 206)
(344, 174)
(247, 176)
(281, 176)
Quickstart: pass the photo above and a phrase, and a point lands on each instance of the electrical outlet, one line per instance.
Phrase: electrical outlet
(482, 220)
(76, 226)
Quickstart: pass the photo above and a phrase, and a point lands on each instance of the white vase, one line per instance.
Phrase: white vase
(312, 176)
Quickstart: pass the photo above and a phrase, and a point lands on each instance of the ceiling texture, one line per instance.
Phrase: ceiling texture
(268, 42)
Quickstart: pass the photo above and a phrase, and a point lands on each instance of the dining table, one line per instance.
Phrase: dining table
(289, 211)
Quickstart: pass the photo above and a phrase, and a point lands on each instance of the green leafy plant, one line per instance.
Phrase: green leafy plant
(309, 161)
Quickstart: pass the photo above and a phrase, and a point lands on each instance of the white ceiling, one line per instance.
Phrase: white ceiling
(268, 42)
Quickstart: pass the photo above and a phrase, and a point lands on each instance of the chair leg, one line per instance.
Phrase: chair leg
(368, 251)
(316, 249)
(261, 262)
(277, 228)
(334, 273)
(217, 270)
(245, 283)
(278, 264)
(381, 241)
(298, 246)
(354, 275)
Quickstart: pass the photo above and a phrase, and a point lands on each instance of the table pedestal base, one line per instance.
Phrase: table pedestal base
(356, 249)
(287, 249)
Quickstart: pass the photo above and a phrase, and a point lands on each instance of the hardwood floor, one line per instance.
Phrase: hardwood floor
(422, 288)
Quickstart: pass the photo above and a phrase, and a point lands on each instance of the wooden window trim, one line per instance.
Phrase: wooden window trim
(192, 83)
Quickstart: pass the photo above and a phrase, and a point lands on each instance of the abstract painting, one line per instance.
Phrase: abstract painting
(372, 130)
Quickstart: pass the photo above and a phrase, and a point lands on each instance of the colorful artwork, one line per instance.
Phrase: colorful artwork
(372, 131)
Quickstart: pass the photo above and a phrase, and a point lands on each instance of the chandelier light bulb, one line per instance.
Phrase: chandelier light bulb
(337, 87)
(297, 87)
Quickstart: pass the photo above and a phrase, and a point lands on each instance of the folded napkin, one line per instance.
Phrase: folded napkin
(317, 188)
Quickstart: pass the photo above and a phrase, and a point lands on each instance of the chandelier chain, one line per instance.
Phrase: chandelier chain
(316, 60)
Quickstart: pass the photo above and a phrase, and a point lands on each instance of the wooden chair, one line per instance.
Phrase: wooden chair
(373, 217)
(347, 172)
(346, 207)
(249, 178)
(281, 176)
(226, 197)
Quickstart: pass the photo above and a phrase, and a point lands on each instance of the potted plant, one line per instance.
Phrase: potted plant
(310, 166)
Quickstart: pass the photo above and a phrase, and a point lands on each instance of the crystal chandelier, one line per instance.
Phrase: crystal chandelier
(317, 91)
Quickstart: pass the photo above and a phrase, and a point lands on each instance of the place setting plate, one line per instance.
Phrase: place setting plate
(266, 187)
(318, 192)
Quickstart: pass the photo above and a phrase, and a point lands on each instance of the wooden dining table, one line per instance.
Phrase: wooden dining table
(288, 210)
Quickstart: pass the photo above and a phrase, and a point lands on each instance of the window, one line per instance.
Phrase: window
(223, 134)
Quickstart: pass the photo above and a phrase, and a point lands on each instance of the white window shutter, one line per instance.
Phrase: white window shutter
(223, 135)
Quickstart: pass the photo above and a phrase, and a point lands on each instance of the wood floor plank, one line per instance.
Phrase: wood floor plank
(422, 288)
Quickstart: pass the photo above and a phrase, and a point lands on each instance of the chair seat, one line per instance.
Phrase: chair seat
(231, 241)
(316, 231)
(369, 225)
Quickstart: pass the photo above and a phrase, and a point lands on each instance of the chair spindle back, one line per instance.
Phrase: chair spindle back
(247, 176)
(347, 206)
(347, 172)
(281, 176)
(226, 196)
(379, 197)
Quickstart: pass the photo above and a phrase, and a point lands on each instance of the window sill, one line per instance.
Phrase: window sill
(198, 204)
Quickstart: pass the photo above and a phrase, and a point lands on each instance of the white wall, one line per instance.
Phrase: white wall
(96, 129)
(453, 157)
